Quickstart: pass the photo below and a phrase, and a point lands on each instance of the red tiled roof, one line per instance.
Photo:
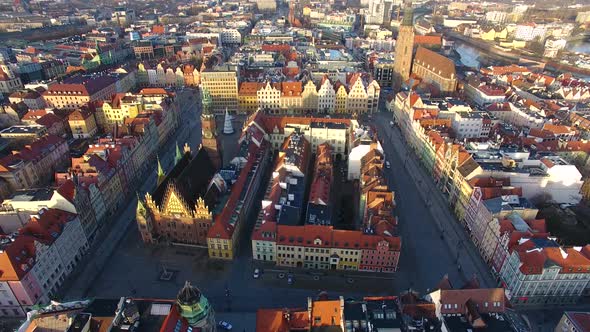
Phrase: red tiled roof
(492, 89)
(581, 320)
(32, 152)
(305, 235)
(18, 256)
(504, 70)
(48, 120)
(480, 296)
(85, 86)
(438, 63)
(499, 107)
(291, 89)
(534, 259)
(557, 129)
(273, 320)
(570, 260)
(428, 40)
(153, 91)
(170, 323)
(276, 48)
(222, 227)
(34, 115)
(266, 227)
(322, 180)
(67, 190)
(250, 88)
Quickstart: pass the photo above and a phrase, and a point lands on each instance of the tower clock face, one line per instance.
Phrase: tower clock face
(207, 134)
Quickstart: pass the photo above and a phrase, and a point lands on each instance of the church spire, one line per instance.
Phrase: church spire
(178, 155)
(161, 174)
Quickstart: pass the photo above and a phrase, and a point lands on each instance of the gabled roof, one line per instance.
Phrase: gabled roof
(250, 88)
(79, 114)
(428, 40)
(48, 120)
(439, 64)
(481, 297)
(189, 178)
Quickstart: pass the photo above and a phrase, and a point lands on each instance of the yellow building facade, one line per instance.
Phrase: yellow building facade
(220, 248)
(341, 96)
(348, 259)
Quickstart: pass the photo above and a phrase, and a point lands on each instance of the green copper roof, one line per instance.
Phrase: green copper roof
(408, 19)
(161, 174)
(140, 207)
(178, 155)
(205, 101)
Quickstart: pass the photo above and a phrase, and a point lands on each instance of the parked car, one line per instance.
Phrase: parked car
(387, 164)
(290, 279)
(225, 325)
(256, 274)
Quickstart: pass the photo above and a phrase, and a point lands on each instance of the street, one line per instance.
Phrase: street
(425, 256)
(99, 254)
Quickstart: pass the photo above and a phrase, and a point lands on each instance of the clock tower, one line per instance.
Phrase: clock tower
(209, 129)
(404, 47)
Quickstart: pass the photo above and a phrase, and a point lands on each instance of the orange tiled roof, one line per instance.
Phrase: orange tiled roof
(250, 88)
(328, 311)
(291, 89)
(557, 129)
(438, 63)
(153, 91)
(273, 320)
(428, 40)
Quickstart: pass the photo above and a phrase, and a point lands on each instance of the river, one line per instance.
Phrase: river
(470, 55)
(581, 46)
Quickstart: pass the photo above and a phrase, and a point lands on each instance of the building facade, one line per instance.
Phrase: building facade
(223, 87)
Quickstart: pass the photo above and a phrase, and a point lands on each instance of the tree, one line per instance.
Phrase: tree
(537, 47)
(542, 199)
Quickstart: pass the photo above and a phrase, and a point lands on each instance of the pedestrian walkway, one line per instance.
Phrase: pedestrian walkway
(457, 241)
(100, 253)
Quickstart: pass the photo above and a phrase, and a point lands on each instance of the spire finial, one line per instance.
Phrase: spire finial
(178, 155)
(161, 173)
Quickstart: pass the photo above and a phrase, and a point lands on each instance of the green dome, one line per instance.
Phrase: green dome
(194, 307)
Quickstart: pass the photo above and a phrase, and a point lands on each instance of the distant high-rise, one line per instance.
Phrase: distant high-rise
(404, 47)
(379, 12)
